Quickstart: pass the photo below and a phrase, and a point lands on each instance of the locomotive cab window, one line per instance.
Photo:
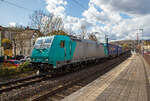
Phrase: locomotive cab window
(40, 41)
(48, 40)
(62, 43)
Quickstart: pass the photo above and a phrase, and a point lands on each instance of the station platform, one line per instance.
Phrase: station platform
(129, 81)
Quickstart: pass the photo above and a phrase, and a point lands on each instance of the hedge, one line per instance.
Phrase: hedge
(25, 67)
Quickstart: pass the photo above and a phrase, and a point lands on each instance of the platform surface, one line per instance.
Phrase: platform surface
(128, 81)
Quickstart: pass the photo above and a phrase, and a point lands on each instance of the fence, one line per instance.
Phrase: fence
(147, 58)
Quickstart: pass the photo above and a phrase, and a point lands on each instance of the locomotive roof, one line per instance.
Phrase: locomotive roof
(74, 38)
(84, 40)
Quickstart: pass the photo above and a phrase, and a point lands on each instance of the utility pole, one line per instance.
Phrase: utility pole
(137, 38)
(106, 38)
(142, 41)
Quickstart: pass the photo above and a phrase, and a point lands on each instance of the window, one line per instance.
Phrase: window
(48, 40)
(39, 41)
(62, 43)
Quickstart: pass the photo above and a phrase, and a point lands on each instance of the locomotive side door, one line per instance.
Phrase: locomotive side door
(68, 50)
(65, 44)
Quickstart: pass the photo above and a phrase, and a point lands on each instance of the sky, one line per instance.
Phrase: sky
(119, 19)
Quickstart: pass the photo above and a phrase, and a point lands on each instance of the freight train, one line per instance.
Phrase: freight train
(53, 52)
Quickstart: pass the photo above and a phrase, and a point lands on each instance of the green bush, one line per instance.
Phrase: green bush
(25, 67)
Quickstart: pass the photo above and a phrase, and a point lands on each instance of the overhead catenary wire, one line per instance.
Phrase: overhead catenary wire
(18, 6)
(82, 6)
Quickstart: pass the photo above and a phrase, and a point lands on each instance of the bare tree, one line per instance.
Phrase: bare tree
(92, 37)
(46, 23)
(36, 19)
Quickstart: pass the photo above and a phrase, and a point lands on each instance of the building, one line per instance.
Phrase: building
(8, 33)
(22, 40)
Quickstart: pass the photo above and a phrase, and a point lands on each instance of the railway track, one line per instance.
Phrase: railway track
(14, 84)
(53, 86)
(61, 91)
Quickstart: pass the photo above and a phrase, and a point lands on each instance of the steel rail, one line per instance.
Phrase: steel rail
(61, 88)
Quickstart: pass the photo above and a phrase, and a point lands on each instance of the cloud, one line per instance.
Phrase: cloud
(114, 15)
(130, 6)
(118, 19)
(56, 7)
(74, 24)
(12, 24)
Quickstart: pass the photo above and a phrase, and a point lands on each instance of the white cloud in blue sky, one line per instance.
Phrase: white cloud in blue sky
(12, 24)
(117, 18)
(56, 7)
(120, 18)
(134, 14)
